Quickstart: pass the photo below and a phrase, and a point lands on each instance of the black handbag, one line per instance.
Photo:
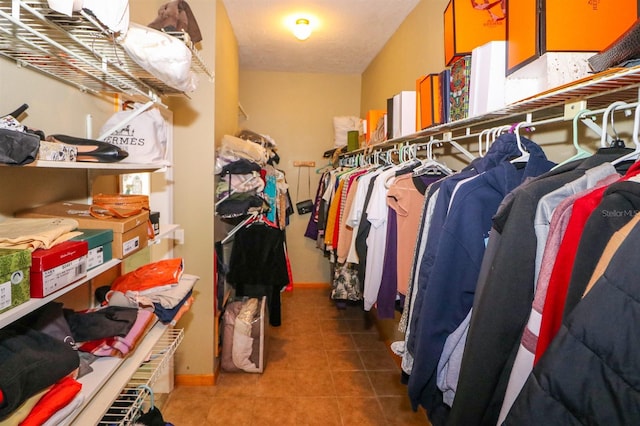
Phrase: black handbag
(18, 148)
(306, 206)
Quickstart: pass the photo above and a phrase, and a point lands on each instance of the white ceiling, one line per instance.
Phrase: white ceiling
(347, 34)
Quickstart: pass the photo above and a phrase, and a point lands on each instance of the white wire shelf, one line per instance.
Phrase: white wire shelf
(78, 51)
(599, 91)
(115, 380)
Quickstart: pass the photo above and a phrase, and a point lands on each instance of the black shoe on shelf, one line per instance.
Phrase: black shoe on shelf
(90, 150)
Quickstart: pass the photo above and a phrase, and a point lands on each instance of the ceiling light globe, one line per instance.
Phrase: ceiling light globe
(302, 29)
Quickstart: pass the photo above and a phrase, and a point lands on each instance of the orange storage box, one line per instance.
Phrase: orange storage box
(430, 101)
(563, 26)
(373, 117)
(469, 24)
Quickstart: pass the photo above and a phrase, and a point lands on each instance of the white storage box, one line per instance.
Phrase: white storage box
(488, 78)
(551, 70)
(404, 113)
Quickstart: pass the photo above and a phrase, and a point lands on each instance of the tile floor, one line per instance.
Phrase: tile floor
(324, 367)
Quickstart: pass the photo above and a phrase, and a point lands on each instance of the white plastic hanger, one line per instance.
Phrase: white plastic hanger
(636, 152)
(481, 141)
(430, 164)
(580, 152)
(605, 139)
(524, 157)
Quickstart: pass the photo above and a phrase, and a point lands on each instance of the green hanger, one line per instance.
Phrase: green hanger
(580, 151)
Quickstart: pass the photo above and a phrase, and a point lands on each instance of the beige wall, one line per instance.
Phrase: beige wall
(416, 48)
(297, 110)
(194, 132)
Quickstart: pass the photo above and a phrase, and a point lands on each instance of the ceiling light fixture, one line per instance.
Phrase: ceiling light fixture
(302, 29)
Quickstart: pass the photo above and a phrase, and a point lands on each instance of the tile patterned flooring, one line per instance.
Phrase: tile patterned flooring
(324, 366)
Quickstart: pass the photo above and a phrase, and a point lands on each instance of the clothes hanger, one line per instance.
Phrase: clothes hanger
(323, 168)
(636, 142)
(238, 227)
(430, 165)
(495, 133)
(580, 152)
(480, 142)
(524, 157)
(605, 139)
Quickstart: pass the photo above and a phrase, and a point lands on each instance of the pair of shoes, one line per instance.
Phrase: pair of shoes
(90, 150)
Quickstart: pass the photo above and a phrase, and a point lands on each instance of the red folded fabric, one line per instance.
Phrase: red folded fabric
(58, 397)
(156, 274)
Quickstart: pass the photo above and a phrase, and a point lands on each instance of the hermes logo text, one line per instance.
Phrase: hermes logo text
(124, 137)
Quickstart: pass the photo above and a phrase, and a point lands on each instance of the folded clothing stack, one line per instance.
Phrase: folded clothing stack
(160, 287)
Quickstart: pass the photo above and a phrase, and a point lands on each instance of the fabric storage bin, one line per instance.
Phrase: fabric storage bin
(14, 278)
(55, 268)
(244, 335)
(100, 243)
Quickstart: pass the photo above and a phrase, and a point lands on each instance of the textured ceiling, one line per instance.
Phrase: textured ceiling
(347, 34)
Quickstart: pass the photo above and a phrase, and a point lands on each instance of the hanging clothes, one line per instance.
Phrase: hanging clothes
(587, 376)
(501, 150)
(558, 218)
(503, 300)
(448, 296)
(621, 197)
(406, 197)
(258, 266)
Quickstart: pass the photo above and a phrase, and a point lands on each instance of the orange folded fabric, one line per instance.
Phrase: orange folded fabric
(60, 394)
(156, 274)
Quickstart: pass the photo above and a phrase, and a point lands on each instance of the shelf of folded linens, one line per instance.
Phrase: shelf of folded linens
(111, 375)
(32, 304)
(599, 91)
(77, 50)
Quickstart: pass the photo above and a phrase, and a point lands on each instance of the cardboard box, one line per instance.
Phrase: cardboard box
(55, 268)
(14, 278)
(429, 101)
(404, 113)
(100, 242)
(488, 78)
(129, 234)
(535, 27)
(467, 27)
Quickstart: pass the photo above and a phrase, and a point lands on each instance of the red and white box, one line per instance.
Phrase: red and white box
(55, 268)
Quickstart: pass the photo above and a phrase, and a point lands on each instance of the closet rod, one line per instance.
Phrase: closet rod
(422, 141)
